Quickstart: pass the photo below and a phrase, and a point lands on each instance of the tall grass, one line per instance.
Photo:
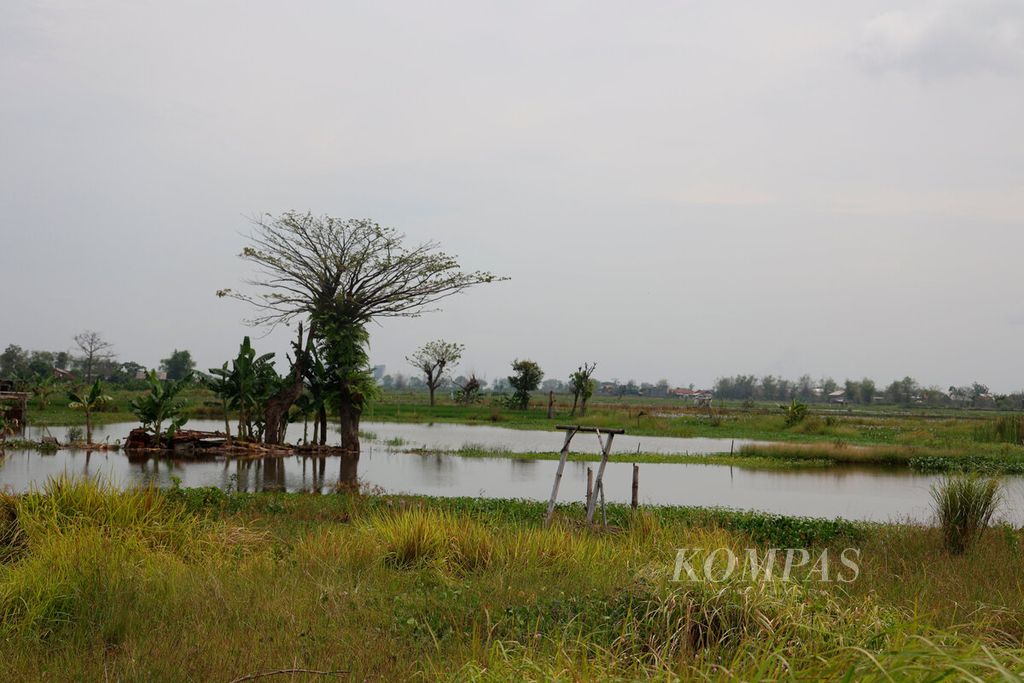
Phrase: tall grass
(1003, 429)
(964, 506)
(144, 585)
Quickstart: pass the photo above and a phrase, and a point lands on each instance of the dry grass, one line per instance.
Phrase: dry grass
(133, 587)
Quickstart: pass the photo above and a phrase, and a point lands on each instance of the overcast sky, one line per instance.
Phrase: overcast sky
(678, 190)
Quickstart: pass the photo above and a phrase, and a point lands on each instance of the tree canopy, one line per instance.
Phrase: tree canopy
(338, 275)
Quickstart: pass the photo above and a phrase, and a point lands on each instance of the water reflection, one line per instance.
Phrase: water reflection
(854, 493)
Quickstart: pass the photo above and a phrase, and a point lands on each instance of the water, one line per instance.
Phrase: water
(848, 492)
(444, 436)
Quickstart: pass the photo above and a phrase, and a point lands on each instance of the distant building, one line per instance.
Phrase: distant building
(63, 374)
(700, 397)
(838, 396)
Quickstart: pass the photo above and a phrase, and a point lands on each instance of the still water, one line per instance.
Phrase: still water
(852, 493)
(451, 437)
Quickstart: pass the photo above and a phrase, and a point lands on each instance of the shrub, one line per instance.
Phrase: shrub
(795, 412)
(965, 506)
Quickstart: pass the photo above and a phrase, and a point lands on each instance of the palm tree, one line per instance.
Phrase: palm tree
(92, 400)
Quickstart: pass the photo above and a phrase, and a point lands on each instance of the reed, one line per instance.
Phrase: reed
(964, 506)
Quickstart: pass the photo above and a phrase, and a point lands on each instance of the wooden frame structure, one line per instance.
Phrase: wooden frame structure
(606, 449)
(15, 404)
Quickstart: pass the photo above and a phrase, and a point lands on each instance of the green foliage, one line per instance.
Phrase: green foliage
(526, 377)
(246, 387)
(434, 359)
(582, 387)
(965, 505)
(1003, 429)
(469, 392)
(161, 403)
(88, 402)
(794, 413)
(178, 365)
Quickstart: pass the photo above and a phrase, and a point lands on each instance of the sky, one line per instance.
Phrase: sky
(676, 190)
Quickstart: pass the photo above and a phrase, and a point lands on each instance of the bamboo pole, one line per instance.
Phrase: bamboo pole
(636, 486)
(558, 478)
(606, 449)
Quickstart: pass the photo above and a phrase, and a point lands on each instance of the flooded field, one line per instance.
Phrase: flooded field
(852, 493)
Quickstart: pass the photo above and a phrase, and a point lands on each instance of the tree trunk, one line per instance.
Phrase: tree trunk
(275, 413)
(551, 404)
(323, 425)
(88, 427)
(350, 415)
(583, 407)
(575, 400)
(348, 472)
(432, 388)
(227, 424)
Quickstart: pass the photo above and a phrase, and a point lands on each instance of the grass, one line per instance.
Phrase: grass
(964, 506)
(923, 439)
(98, 584)
(992, 460)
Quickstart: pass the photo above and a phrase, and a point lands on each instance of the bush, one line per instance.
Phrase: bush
(965, 506)
(795, 412)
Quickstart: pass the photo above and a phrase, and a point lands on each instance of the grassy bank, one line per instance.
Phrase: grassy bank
(202, 585)
(924, 440)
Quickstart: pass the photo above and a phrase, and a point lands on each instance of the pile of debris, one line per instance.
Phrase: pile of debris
(183, 440)
(193, 441)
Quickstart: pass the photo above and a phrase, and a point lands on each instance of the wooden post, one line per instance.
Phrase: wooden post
(606, 449)
(558, 478)
(636, 485)
(551, 404)
(590, 484)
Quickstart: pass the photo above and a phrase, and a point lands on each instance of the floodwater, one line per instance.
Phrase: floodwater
(848, 492)
(450, 437)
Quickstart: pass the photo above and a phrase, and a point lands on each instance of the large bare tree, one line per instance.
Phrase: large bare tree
(95, 349)
(338, 275)
(434, 359)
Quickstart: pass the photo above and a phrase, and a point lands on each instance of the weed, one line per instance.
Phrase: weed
(964, 506)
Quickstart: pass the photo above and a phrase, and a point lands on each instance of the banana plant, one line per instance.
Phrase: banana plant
(87, 402)
(43, 389)
(160, 404)
(246, 386)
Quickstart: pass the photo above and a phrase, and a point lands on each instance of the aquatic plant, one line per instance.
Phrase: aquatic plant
(964, 506)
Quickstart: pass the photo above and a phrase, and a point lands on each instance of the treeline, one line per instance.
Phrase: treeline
(906, 391)
(94, 359)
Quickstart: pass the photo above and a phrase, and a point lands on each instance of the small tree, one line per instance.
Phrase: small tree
(87, 402)
(161, 404)
(246, 387)
(582, 386)
(526, 378)
(434, 359)
(795, 412)
(95, 350)
(178, 365)
(469, 391)
(43, 389)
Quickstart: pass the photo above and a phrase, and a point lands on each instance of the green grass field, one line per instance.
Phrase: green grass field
(202, 585)
(924, 438)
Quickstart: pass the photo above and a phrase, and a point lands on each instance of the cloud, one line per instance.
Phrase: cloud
(961, 38)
